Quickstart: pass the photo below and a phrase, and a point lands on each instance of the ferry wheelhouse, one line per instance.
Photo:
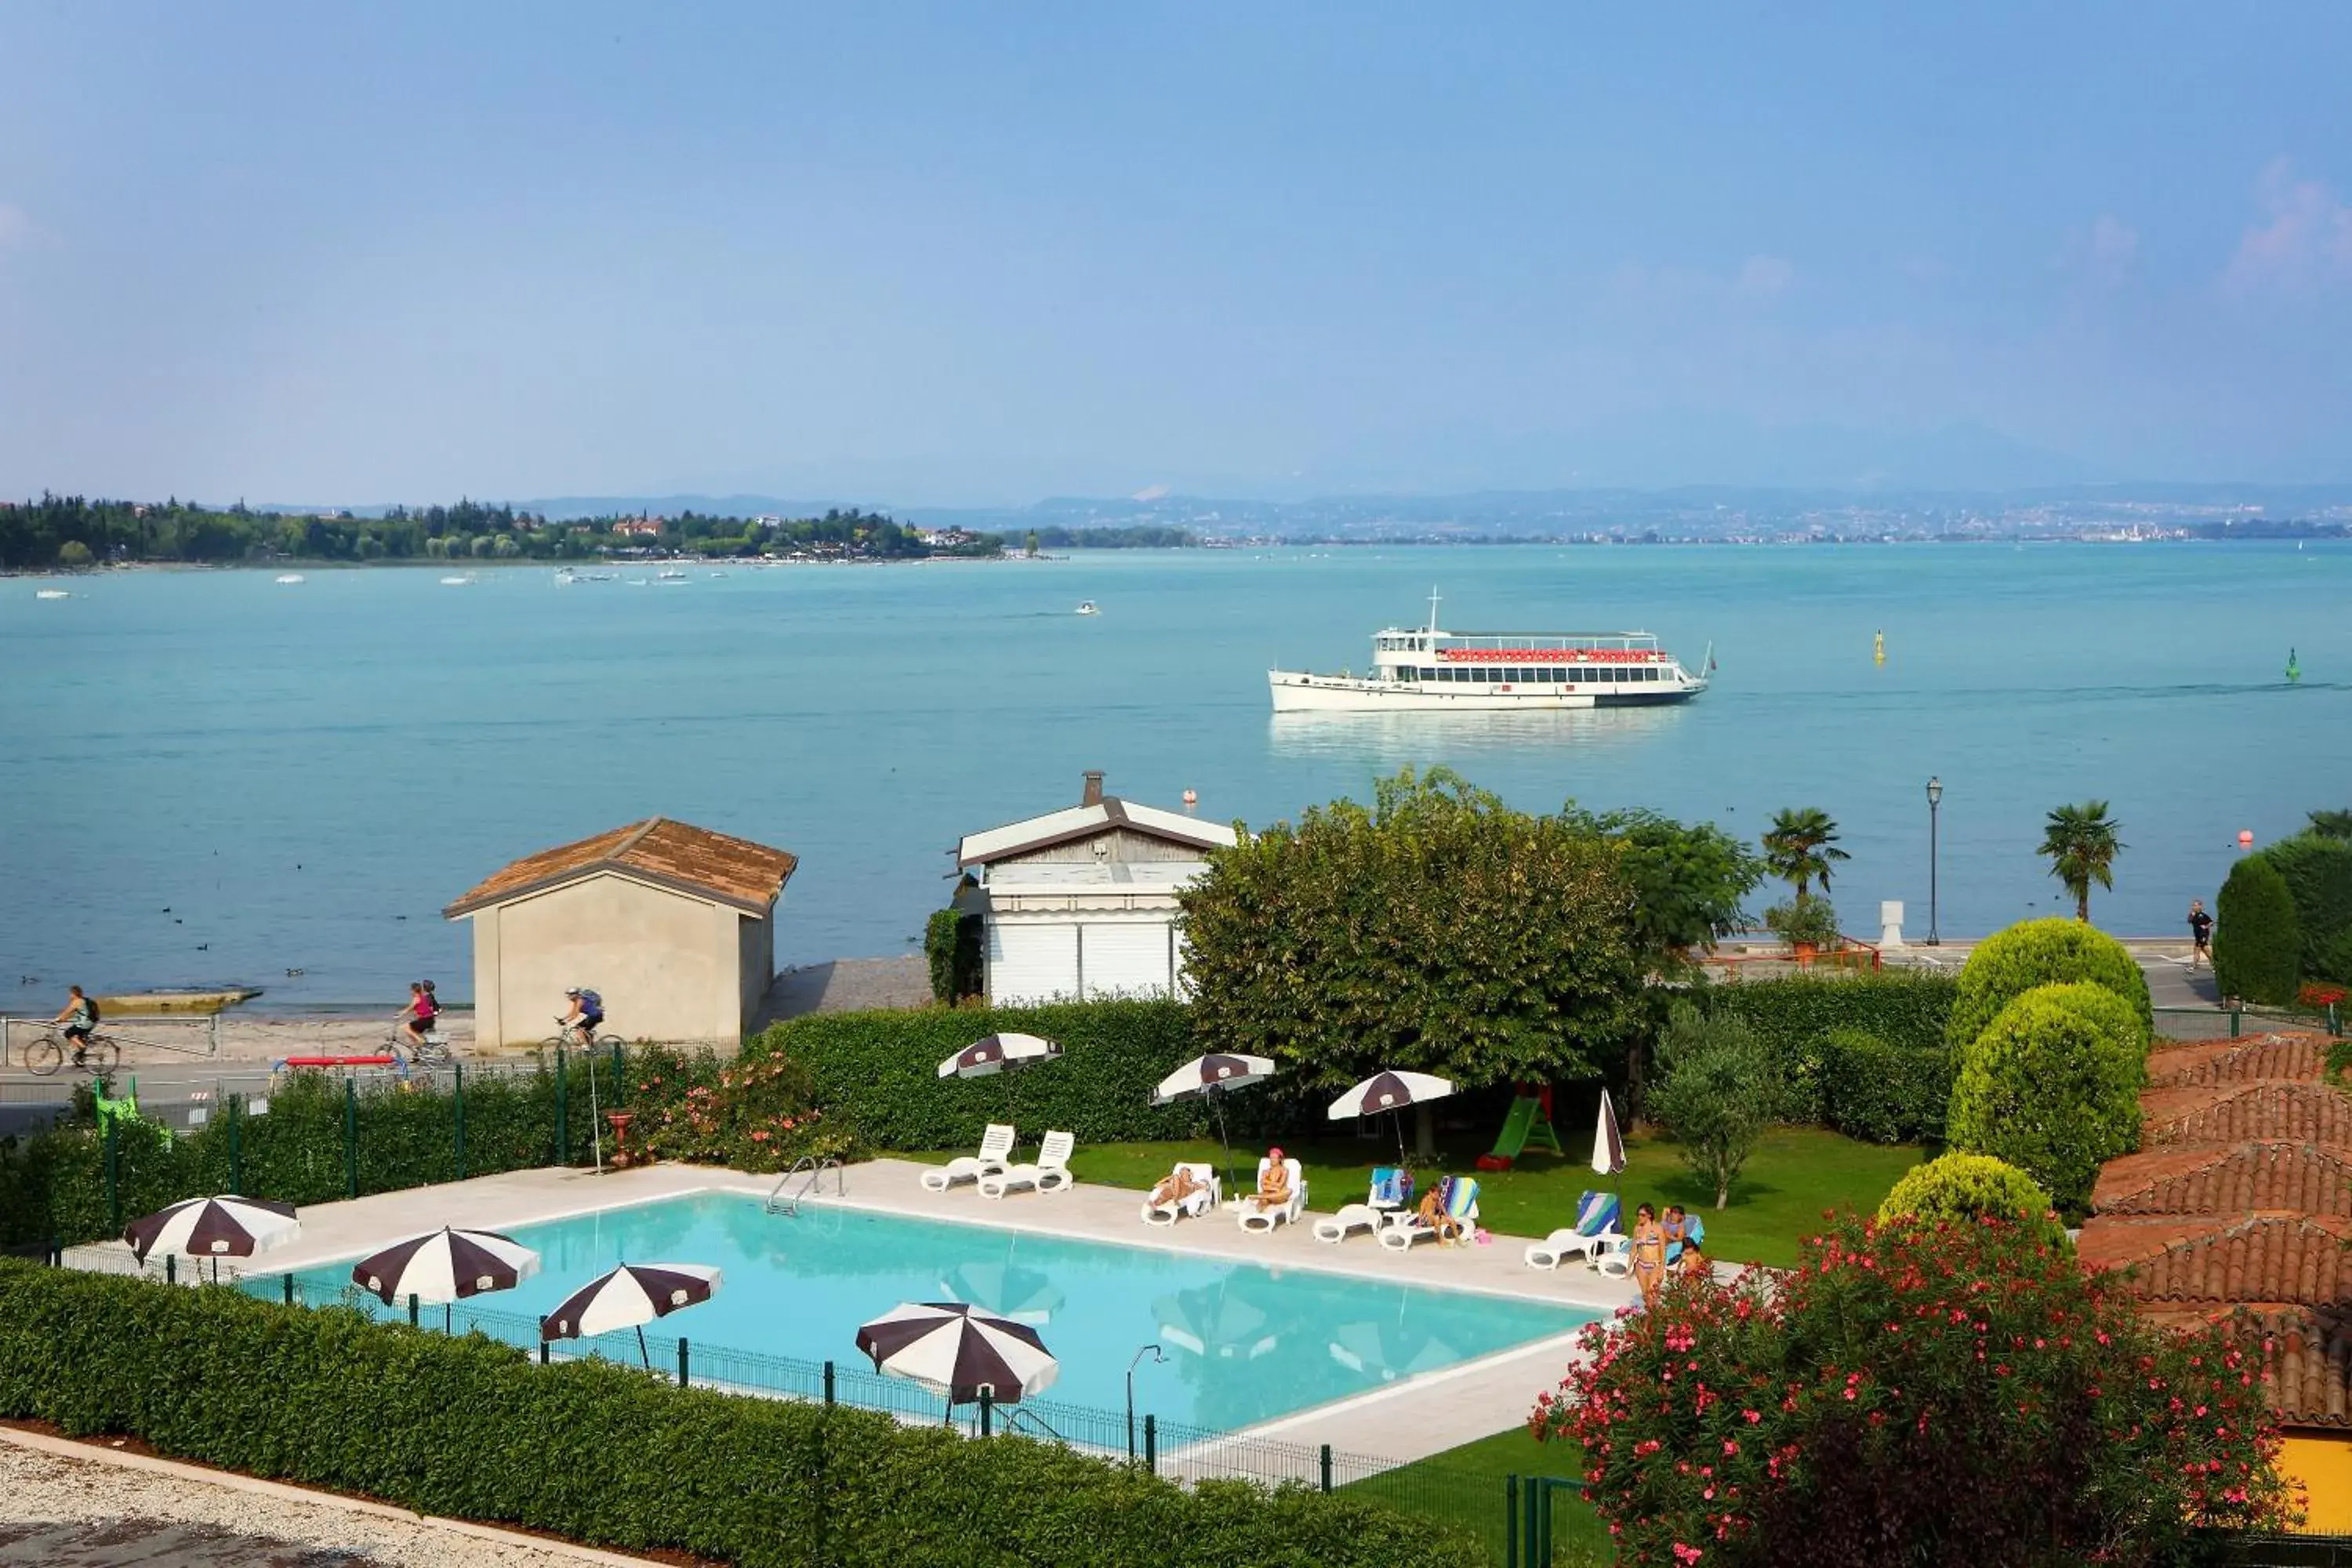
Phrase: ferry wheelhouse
(1427, 670)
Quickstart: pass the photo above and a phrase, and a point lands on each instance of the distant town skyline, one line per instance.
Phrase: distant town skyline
(926, 256)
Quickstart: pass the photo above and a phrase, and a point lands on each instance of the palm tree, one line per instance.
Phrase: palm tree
(1799, 847)
(2082, 846)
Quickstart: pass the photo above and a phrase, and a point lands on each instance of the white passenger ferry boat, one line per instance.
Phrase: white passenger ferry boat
(1431, 670)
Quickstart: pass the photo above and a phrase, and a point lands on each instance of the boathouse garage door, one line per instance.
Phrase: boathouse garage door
(1046, 961)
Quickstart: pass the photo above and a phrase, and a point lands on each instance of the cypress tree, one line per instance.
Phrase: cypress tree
(2257, 946)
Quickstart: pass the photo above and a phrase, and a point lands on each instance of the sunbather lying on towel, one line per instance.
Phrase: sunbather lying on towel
(1274, 1186)
(1433, 1215)
(1175, 1187)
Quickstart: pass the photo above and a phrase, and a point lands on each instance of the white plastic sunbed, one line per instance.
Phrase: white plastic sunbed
(1595, 1228)
(1257, 1215)
(1463, 1208)
(1050, 1174)
(1383, 1204)
(1198, 1201)
(995, 1154)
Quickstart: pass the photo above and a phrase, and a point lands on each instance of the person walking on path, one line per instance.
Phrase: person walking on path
(1649, 1253)
(2201, 935)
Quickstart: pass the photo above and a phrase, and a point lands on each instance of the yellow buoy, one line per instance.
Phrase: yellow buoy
(1878, 649)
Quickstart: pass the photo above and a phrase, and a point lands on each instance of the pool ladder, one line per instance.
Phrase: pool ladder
(811, 1172)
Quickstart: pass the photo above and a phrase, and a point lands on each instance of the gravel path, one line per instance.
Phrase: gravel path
(79, 1513)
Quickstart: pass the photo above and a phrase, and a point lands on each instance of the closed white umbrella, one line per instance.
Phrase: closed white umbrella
(1608, 1145)
(446, 1265)
(630, 1296)
(959, 1351)
(226, 1226)
(1390, 1090)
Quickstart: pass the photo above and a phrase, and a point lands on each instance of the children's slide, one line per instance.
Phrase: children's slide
(1529, 1123)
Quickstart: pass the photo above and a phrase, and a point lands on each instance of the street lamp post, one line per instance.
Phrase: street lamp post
(1935, 799)
(1152, 1350)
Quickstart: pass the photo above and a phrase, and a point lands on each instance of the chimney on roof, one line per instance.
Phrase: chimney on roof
(1092, 795)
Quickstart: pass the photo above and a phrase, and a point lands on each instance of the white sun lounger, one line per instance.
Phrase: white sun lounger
(1463, 1209)
(1256, 1216)
(1050, 1174)
(995, 1154)
(1200, 1201)
(1595, 1228)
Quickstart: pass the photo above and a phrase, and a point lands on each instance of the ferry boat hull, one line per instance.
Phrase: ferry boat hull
(1296, 691)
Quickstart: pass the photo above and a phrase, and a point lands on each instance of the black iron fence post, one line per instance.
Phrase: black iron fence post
(113, 1175)
(1151, 1443)
(828, 1383)
(681, 1360)
(351, 1139)
(987, 1408)
(460, 1109)
(562, 1109)
(289, 1287)
(236, 1142)
(170, 1270)
(1510, 1522)
(411, 1309)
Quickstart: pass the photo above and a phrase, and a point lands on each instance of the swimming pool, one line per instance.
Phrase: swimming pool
(1244, 1343)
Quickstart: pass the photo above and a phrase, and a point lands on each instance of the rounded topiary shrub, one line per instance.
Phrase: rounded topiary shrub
(2053, 951)
(1963, 1186)
(2257, 942)
(2053, 1086)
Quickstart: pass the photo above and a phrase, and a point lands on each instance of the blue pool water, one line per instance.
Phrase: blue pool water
(1244, 1343)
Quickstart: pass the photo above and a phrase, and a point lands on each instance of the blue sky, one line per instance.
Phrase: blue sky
(357, 253)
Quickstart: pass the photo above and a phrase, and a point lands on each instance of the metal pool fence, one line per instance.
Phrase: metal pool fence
(1510, 1516)
(2216, 1022)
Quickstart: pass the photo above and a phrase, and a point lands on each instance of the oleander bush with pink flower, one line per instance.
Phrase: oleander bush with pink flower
(752, 1112)
(1941, 1393)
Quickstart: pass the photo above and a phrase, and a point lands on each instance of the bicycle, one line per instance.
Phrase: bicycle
(571, 1037)
(434, 1052)
(99, 1056)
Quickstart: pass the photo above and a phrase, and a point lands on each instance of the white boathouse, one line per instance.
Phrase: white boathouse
(1081, 902)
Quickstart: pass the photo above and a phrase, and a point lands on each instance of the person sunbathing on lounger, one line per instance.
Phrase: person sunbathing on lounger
(1273, 1185)
(1175, 1187)
(1433, 1215)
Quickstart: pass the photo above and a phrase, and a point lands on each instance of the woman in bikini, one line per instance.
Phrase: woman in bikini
(1649, 1250)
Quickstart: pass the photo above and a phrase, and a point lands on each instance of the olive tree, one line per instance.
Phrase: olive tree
(1437, 932)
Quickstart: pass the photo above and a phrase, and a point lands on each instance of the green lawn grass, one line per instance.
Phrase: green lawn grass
(1479, 1473)
(1795, 1174)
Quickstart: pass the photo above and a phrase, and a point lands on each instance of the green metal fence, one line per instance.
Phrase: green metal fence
(2234, 1023)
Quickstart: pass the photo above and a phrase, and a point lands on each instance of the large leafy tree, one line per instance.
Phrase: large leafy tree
(1945, 1393)
(2081, 843)
(1689, 880)
(1438, 931)
(1800, 848)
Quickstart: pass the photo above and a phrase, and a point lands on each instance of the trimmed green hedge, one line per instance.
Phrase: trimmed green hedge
(1887, 1094)
(876, 1074)
(1796, 1016)
(53, 1183)
(473, 1429)
(2257, 946)
(2051, 952)
(2318, 873)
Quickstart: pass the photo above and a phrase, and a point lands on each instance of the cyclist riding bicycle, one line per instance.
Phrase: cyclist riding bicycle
(587, 1012)
(416, 1018)
(80, 1016)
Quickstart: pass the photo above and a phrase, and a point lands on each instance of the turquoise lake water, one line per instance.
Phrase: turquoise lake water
(1244, 1343)
(303, 775)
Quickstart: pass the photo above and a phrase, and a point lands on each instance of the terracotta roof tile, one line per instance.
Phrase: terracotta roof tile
(2299, 1259)
(733, 871)
(2294, 1055)
(2307, 1352)
(2241, 1112)
(2228, 1179)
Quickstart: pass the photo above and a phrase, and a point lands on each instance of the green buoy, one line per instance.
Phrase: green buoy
(2293, 670)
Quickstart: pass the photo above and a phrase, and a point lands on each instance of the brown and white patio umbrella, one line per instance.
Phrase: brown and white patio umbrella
(630, 1296)
(959, 1351)
(446, 1265)
(997, 1052)
(226, 1226)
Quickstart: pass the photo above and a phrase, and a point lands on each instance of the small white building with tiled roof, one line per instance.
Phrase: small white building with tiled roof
(673, 925)
(1081, 902)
